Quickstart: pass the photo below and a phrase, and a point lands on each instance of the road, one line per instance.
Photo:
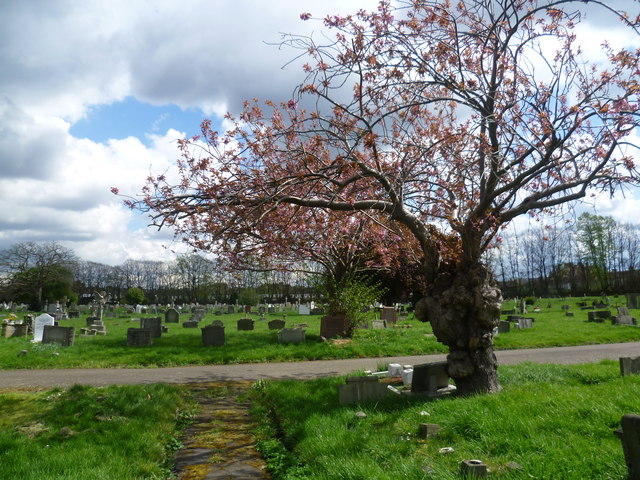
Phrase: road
(11, 379)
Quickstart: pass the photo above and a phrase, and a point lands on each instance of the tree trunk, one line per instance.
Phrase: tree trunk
(463, 307)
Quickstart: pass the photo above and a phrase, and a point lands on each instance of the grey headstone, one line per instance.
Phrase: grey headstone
(245, 324)
(213, 336)
(629, 366)
(379, 324)
(276, 324)
(217, 323)
(473, 469)
(63, 336)
(291, 335)
(361, 389)
(630, 437)
(139, 337)
(429, 377)
(504, 327)
(154, 323)
(633, 300)
(171, 316)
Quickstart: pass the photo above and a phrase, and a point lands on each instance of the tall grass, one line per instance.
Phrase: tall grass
(91, 433)
(549, 422)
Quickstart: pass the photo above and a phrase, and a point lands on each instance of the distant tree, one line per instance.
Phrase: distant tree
(34, 270)
(451, 119)
(248, 296)
(595, 235)
(135, 296)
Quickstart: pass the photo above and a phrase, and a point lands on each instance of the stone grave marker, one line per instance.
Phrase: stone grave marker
(361, 389)
(63, 336)
(429, 378)
(154, 323)
(389, 315)
(139, 337)
(16, 330)
(504, 327)
(190, 324)
(291, 335)
(39, 324)
(633, 300)
(171, 316)
(623, 317)
(212, 336)
(333, 326)
(473, 469)
(217, 323)
(245, 324)
(629, 366)
(231, 309)
(276, 324)
(379, 324)
(629, 434)
(304, 310)
(247, 309)
(523, 323)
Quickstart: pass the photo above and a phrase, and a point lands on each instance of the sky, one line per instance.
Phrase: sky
(95, 93)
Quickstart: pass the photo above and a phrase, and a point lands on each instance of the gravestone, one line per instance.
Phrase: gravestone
(334, 326)
(389, 314)
(247, 309)
(231, 309)
(245, 324)
(428, 430)
(190, 324)
(566, 307)
(524, 323)
(213, 336)
(153, 323)
(74, 314)
(139, 337)
(623, 317)
(17, 330)
(271, 310)
(63, 336)
(217, 323)
(429, 377)
(473, 469)
(504, 327)
(291, 335)
(39, 324)
(316, 311)
(508, 312)
(379, 324)
(304, 310)
(629, 434)
(276, 324)
(568, 314)
(171, 316)
(361, 389)
(633, 300)
(629, 366)
(598, 316)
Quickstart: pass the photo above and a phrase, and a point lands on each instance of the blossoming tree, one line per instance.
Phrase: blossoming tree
(451, 119)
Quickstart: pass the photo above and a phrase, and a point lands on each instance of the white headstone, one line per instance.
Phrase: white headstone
(38, 326)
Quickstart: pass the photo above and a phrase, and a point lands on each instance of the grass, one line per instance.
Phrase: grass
(183, 346)
(549, 422)
(126, 432)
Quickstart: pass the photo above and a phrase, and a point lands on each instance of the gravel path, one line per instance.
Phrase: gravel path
(292, 370)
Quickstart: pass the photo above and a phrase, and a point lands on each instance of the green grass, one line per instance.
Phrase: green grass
(126, 432)
(555, 422)
(183, 346)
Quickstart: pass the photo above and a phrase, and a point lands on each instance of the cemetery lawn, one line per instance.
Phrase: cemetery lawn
(124, 432)
(183, 346)
(549, 422)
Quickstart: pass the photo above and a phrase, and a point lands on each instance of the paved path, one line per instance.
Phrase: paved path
(293, 370)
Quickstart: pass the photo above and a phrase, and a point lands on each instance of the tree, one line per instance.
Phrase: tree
(595, 235)
(33, 270)
(451, 120)
(135, 296)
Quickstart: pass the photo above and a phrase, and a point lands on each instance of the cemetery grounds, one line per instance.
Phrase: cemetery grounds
(548, 422)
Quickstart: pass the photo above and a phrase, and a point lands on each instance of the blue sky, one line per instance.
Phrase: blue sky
(133, 118)
(94, 94)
